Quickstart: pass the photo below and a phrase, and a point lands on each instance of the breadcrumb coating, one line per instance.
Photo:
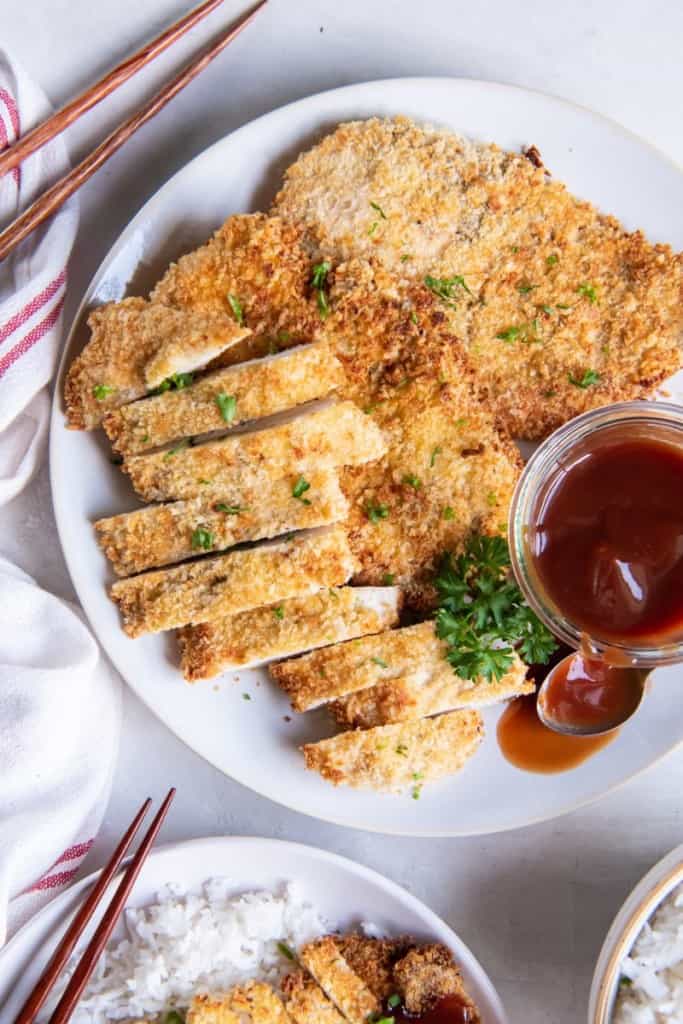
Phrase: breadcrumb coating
(211, 1010)
(259, 1002)
(338, 981)
(427, 974)
(306, 1003)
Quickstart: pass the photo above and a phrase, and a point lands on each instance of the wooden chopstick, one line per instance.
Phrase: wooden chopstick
(54, 197)
(75, 929)
(86, 966)
(60, 120)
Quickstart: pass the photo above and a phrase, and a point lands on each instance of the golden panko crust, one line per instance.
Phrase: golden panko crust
(339, 982)
(305, 1001)
(427, 974)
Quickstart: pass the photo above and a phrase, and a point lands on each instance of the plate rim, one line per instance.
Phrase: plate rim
(56, 423)
(398, 894)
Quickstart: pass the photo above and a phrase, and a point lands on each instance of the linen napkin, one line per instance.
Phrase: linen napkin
(59, 701)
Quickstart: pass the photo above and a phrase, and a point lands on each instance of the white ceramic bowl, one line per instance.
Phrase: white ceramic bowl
(638, 908)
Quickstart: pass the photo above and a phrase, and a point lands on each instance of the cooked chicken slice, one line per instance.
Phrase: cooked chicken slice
(227, 397)
(284, 629)
(560, 309)
(392, 757)
(373, 960)
(211, 1010)
(394, 676)
(212, 588)
(306, 1003)
(347, 991)
(259, 1002)
(447, 471)
(133, 343)
(162, 534)
(335, 435)
(257, 262)
(427, 974)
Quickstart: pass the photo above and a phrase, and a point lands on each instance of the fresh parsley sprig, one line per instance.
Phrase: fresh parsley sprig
(482, 615)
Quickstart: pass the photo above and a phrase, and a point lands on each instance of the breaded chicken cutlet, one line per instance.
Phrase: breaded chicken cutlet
(392, 757)
(326, 963)
(286, 628)
(560, 309)
(306, 1003)
(392, 676)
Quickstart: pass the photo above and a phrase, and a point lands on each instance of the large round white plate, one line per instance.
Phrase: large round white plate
(346, 894)
(251, 740)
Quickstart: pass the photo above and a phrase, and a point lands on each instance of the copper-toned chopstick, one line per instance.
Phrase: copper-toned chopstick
(60, 120)
(75, 929)
(86, 966)
(53, 198)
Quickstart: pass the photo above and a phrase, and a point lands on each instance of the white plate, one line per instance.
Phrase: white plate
(250, 740)
(344, 893)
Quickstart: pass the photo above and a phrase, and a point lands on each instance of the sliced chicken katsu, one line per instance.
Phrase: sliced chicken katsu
(211, 1010)
(287, 628)
(336, 434)
(212, 588)
(559, 307)
(162, 534)
(255, 269)
(340, 983)
(373, 960)
(428, 974)
(226, 398)
(134, 346)
(394, 676)
(306, 1003)
(260, 1004)
(392, 757)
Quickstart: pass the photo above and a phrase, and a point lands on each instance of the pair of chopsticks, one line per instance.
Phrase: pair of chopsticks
(57, 194)
(81, 975)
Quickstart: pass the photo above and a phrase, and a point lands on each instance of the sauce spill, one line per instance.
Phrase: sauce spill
(448, 1010)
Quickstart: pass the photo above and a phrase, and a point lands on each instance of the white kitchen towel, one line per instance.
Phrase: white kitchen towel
(59, 700)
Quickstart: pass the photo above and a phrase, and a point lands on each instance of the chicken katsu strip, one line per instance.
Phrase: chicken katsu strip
(132, 345)
(211, 1010)
(226, 397)
(392, 757)
(394, 676)
(306, 1003)
(338, 981)
(427, 974)
(259, 1002)
(373, 960)
(559, 307)
(337, 434)
(287, 628)
(162, 534)
(257, 262)
(212, 588)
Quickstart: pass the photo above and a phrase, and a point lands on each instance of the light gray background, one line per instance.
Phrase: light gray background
(534, 904)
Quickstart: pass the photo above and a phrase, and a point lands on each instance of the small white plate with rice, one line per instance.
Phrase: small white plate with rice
(639, 974)
(218, 912)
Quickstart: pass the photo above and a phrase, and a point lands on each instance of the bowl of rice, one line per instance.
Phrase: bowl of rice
(639, 974)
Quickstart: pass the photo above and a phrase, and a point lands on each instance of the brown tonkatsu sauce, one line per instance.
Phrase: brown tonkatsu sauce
(588, 693)
(448, 1010)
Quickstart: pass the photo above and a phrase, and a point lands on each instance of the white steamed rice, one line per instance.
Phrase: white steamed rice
(651, 990)
(186, 943)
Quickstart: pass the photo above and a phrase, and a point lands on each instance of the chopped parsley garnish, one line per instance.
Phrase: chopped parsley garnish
(491, 499)
(100, 391)
(412, 481)
(413, 318)
(284, 337)
(402, 750)
(417, 790)
(299, 489)
(589, 378)
(394, 1001)
(435, 451)
(227, 406)
(173, 1017)
(405, 257)
(236, 307)
(379, 210)
(185, 443)
(524, 287)
(176, 382)
(373, 227)
(563, 305)
(376, 512)
(145, 439)
(448, 513)
(444, 287)
(589, 291)
(552, 260)
(318, 282)
(230, 510)
(379, 661)
(246, 696)
(286, 951)
(202, 539)
(527, 332)
(547, 309)
(279, 612)
(482, 615)
(388, 579)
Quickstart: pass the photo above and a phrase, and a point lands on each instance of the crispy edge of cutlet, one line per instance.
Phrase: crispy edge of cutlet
(305, 1001)
(392, 757)
(336, 977)
(428, 973)
(373, 960)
